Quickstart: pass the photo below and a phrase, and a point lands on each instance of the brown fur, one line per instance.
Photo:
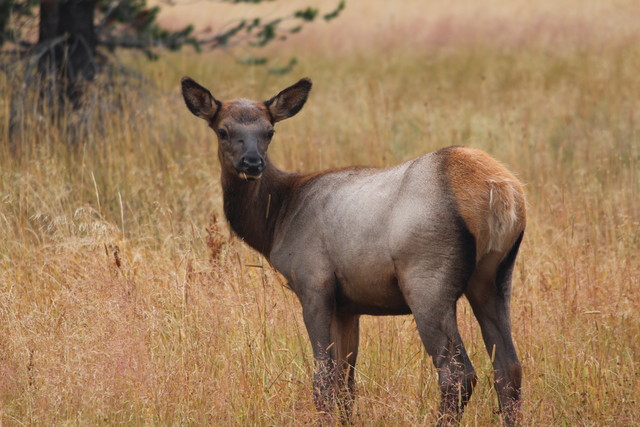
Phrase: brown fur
(377, 241)
(243, 110)
(490, 199)
(253, 207)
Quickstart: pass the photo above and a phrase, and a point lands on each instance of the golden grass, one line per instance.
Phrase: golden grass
(121, 301)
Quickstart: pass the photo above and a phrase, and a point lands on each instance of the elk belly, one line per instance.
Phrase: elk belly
(374, 292)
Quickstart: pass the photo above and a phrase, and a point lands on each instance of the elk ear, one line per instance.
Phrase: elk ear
(288, 102)
(199, 100)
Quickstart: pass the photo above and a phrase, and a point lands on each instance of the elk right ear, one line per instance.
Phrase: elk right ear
(289, 101)
(199, 100)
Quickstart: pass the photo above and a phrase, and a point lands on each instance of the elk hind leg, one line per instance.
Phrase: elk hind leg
(489, 295)
(435, 314)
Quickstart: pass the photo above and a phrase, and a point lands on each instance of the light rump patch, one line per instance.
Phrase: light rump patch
(490, 199)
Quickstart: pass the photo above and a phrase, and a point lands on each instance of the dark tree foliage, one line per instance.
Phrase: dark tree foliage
(63, 44)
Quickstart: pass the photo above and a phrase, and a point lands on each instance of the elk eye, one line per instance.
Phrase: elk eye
(271, 133)
(222, 134)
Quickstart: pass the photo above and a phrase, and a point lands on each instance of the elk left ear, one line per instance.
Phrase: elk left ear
(288, 102)
(199, 100)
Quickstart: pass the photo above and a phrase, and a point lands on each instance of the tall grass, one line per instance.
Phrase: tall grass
(122, 300)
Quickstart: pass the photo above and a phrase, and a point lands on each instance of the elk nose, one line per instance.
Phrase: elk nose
(252, 164)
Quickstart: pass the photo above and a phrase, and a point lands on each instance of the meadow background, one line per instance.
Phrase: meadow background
(124, 299)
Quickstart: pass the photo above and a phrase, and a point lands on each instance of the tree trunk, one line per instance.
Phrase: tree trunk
(67, 40)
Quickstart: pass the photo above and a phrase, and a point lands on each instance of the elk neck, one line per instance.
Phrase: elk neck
(253, 207)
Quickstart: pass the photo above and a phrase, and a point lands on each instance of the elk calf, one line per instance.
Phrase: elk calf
(410, 239)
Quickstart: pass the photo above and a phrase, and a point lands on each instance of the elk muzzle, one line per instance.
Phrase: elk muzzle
(250, 166)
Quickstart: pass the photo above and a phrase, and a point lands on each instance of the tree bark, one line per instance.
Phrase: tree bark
(67, 42)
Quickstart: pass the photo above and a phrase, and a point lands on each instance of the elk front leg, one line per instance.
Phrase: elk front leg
(345, 331)
(318, 310)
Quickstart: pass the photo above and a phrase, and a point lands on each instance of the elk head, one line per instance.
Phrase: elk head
(244, 128)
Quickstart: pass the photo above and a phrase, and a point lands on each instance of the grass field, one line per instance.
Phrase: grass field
(124, 300)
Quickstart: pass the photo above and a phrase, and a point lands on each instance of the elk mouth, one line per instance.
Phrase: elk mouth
(249, 177)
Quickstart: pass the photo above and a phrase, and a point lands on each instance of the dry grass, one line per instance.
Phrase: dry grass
(122, 301)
